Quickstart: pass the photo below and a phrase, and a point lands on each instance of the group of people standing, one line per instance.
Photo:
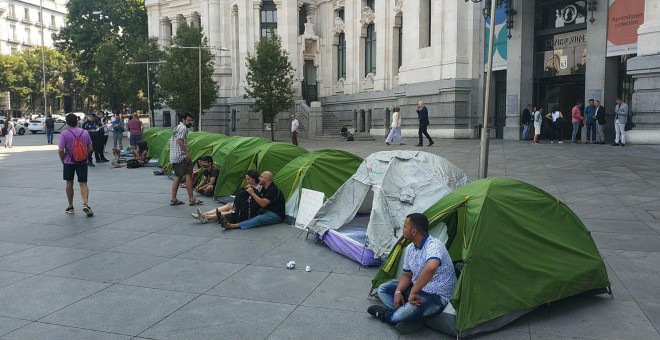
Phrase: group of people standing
(101, 128)
(593, 118)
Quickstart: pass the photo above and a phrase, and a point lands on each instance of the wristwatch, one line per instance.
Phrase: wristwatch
(397, 292)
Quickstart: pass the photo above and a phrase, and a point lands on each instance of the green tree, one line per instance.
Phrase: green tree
(269, 79)
(179, 75)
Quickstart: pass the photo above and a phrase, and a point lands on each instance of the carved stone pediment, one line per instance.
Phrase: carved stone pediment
(368, 16)
(339, 26)
(336, 4)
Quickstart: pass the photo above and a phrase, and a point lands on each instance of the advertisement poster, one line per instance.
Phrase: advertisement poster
(499, 46)
(624, 18)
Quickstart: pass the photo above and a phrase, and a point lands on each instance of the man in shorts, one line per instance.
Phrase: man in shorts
(72, 168)
(180, 160)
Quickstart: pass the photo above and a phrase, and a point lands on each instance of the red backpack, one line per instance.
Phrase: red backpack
(78, 151)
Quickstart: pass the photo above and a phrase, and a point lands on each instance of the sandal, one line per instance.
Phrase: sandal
(176, 202)
(195, 202)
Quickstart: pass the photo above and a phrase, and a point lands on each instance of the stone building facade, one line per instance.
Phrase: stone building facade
(355, 60)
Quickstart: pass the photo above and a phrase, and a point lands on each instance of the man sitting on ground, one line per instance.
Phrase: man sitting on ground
(206, 185)
(271, 201)
(426, 284)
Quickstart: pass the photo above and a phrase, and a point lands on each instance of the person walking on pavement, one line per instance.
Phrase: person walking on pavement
(599, 117)
(526, 120)
(9, 133)
(294, 129)
(70, 167)
(620, 119)
(395, 125)
(180, 160)
(423, 116)
(49, 123)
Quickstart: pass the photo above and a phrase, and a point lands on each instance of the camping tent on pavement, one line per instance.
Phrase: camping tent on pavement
(198, 143)
(274, 156)
(233, 159)
(322, 170)
(391, 185)
(518, 247)
(158, 140)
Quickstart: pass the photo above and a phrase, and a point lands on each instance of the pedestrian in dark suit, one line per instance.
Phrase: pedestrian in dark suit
(600, 122)
(423, 116)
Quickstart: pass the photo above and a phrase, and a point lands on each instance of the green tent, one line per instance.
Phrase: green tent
(233, 159)
(274, 156)
(199, 143)
(158, 141)
(517, 248)
(322, 170)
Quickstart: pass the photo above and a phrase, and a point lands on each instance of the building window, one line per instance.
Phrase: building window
(341, 56)
(400, 47)
(370, 3)
(52, 20)
(268, 18)
(370, 50)
(167, 119)
(27, 14)
(425, 23)
(12, 11)
(340, 13)
(12, 32)
(28, 36)
(302, 19)
(39, 16)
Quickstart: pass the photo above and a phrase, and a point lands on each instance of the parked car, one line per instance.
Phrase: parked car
(36, 126)
(60, 123)
(20, 129)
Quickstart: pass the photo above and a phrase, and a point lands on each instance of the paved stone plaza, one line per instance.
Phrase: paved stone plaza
(141, 268)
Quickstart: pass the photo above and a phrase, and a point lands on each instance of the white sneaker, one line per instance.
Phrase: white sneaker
(560, 142)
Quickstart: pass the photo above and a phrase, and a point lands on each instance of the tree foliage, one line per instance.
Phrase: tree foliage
(269, 79)
(179, 75)
(99, 37)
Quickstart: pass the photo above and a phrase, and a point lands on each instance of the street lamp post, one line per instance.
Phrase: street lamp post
(199, 50)
(43, 54)
(483, 156)
(151, 113)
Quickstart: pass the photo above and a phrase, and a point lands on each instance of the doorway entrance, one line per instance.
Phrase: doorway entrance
(309, 86)
(560, 93)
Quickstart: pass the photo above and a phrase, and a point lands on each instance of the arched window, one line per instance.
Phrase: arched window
(268, 18)
(370, 50)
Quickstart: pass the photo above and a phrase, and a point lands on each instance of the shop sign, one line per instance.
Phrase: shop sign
(624, 18)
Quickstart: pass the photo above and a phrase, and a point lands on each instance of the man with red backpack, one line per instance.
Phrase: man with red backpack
(74, 147)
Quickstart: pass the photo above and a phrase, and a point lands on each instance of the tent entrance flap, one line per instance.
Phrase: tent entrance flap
(351, 241)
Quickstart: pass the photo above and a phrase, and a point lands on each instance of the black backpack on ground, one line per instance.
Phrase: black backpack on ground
(244, 207)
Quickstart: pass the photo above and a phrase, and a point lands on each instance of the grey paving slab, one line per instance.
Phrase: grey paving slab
(192, 227)
(306, 252)
(141, 223)
(40, 295)
(40, 259)
(121, 309)
(38, 330)
(343, 292)
(275, 233)
(213, 317)
(654, 224)
(194, 276)
(290, 286)
(7, 278)
(107, 267)
(638, 271)
(596, 316)
(651, 308)
(33, 233)
(9, 324)
(618, 226)
(348, 266)
(626, 241)
(97, 239)
(8, 248)
(161, 245)
(322, 323)
(229, 250)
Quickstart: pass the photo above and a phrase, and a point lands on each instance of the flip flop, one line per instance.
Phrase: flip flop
(195, 202)
(177, 202)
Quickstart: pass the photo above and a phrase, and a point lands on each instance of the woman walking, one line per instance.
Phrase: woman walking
(9, 134)
(396, 127)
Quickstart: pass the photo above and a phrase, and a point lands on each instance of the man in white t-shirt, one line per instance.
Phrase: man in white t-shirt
(294, 129)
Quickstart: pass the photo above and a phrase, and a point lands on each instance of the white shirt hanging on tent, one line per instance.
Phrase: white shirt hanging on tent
(310, 203)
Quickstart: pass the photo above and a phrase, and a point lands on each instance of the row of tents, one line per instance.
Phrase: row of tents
(514, 246)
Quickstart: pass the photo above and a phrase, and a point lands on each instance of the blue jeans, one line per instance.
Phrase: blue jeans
(49, 135)
(431, 305)
(591, 132)
(525, 132)
(576, 128)
(266, 218)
